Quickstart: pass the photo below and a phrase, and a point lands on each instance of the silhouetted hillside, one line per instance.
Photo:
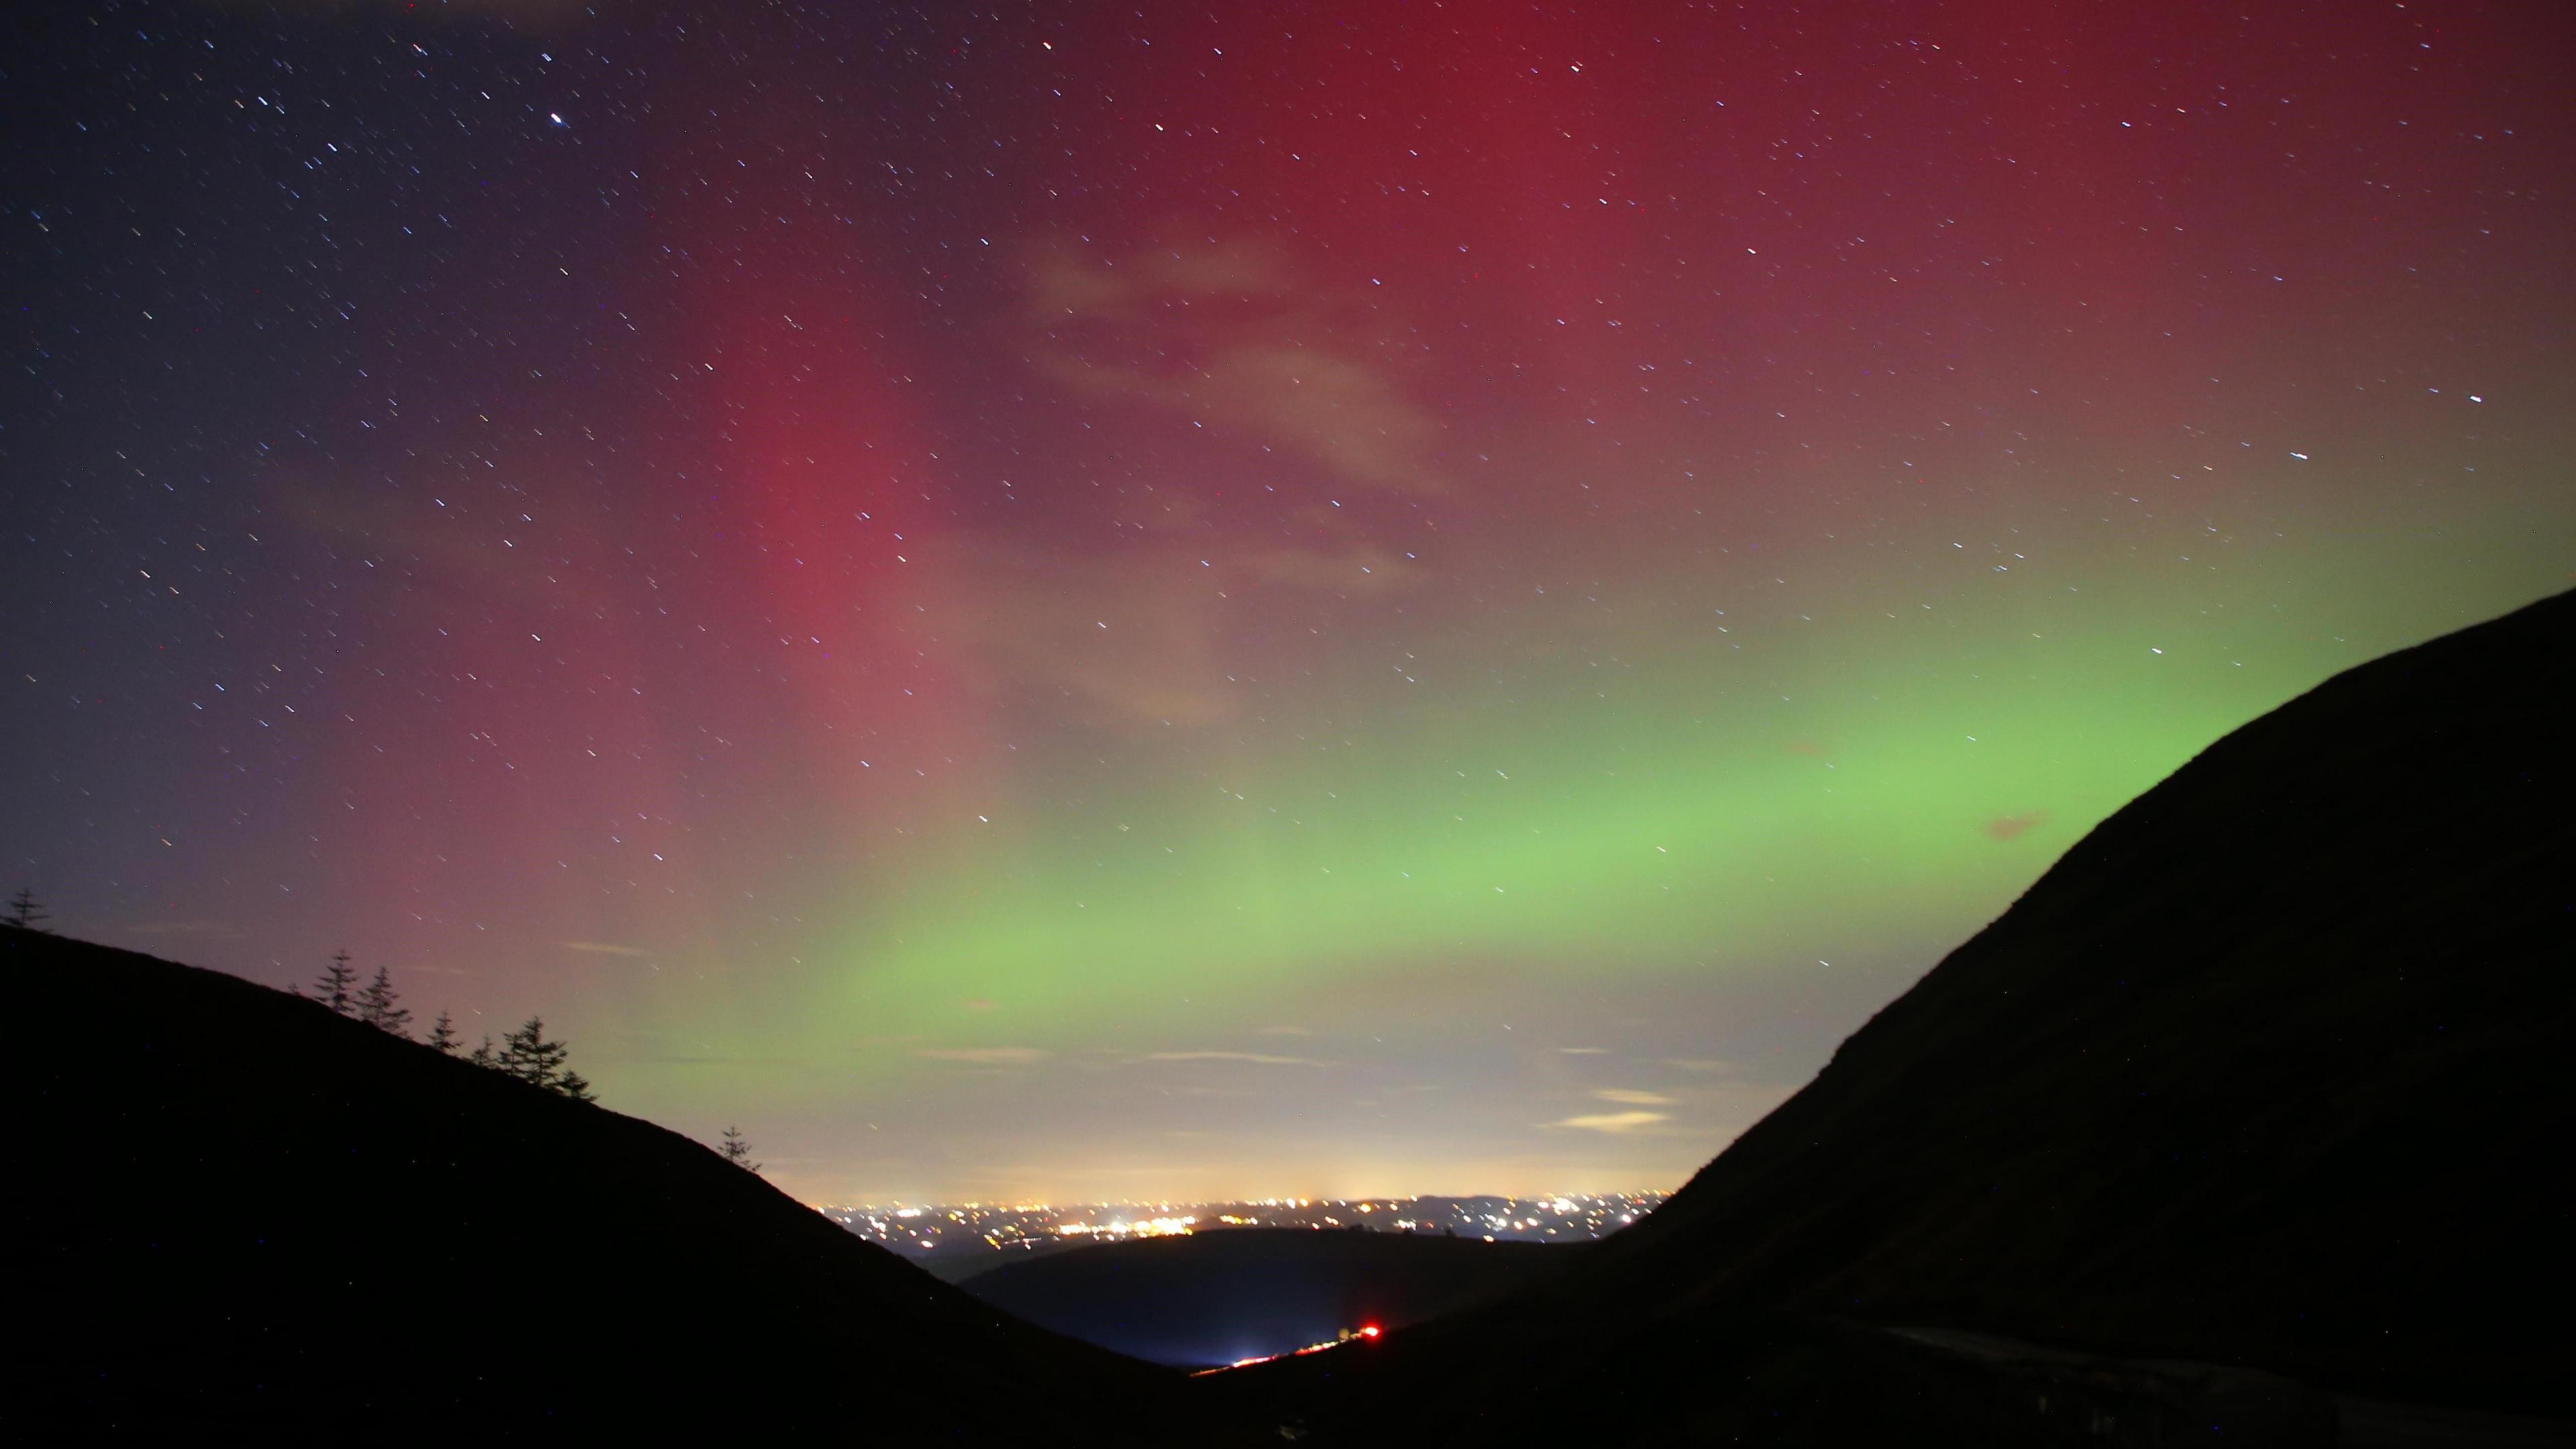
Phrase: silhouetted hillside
(243, 1217)
(2272, 1069)
(1217, 1297)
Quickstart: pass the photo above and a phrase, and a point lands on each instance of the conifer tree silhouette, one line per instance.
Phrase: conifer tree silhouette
(377, 1009)
(737, 1150)
(442, 1035)
(336, 982)
(26, 912)
(527, 1055)
(524, 1054)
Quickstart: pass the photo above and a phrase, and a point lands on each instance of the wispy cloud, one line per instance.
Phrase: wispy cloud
(1128, 640)
(1261, 1058)
(603, 948)
(1261, 360)
(1700, 1064)
(1614, 1122)
(1002, 1056)
(1583, 1051)
(1632, 1098)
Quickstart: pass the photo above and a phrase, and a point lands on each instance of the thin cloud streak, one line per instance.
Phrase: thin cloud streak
(1001, 1056)
(1261, 1058)
(1614, 1123)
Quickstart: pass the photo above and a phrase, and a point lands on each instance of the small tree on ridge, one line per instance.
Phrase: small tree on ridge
(527, 1055)
(25, 911)
(737, 1150)
(336, 985)
(377, 1009)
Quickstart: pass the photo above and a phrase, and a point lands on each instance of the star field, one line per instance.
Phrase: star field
(1085, 602)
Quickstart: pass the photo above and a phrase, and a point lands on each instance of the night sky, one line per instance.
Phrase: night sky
(1310, 599)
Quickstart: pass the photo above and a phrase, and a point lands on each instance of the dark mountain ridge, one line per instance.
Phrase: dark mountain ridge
(251, 1217)
(2270, 1070)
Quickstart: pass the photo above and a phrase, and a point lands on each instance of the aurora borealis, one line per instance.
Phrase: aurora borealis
(1084, 603)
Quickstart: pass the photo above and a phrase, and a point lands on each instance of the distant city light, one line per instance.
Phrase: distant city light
(946, 1232)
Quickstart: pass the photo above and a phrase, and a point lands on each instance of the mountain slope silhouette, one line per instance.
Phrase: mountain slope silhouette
(2269, 1073)
(251, 1218)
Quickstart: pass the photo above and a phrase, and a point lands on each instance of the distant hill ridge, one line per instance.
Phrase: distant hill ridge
(1216, 1297)
(249, 1217)
(2272, 1069)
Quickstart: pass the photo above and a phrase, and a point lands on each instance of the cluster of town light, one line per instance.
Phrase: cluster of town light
(1029, 1227)
(1121, 1228)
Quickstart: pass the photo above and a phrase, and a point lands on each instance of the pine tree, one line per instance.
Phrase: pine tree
(335, 982)
(482, 1056)
(527, 1055)
(737, 1150)
(576, 1086)
(377, 1009)
(26, 912)
(442, 1035)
